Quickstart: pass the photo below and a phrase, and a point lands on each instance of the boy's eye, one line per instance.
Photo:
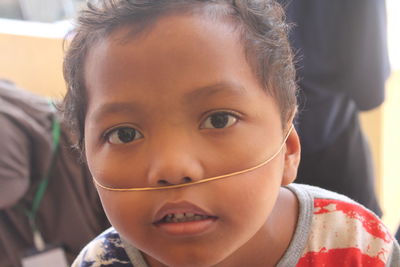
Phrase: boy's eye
(123, 135)
(219, 120)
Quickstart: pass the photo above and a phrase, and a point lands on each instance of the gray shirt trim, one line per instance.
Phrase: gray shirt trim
(134, 254)
(394, 258)
(299, 240)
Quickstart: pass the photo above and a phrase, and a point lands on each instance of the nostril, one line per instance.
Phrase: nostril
(187, 179)
(166, 182)
(162, 182)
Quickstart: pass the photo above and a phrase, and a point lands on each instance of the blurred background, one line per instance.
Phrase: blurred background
(386, 140)
(31, 54)
(40, 10)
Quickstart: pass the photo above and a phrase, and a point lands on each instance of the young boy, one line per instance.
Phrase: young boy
(184, 112)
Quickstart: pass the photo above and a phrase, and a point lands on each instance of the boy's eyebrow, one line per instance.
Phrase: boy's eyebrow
(199, 93)
(209, 90)
(114, 107)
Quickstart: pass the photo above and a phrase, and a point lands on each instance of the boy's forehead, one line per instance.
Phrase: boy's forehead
(176, 32)
(171, 42)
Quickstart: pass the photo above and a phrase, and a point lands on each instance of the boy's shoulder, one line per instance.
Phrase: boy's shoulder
(105, 250)
(340, 232)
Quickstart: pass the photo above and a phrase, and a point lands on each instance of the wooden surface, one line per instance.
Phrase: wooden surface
(33, 63)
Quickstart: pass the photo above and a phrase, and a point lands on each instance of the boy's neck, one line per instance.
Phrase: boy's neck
(271, 242)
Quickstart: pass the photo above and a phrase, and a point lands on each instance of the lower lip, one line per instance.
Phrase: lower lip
(187, 228)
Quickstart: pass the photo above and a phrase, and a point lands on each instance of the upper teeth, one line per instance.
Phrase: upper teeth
(182, 217)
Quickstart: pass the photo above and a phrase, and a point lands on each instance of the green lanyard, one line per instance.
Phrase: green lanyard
(37, 237)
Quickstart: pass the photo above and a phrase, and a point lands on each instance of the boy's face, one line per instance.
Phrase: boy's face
(177, 104)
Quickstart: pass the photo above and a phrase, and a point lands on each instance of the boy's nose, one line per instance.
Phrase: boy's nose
(174, 164)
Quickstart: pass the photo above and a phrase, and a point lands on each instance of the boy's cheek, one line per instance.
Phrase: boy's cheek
(123, 210)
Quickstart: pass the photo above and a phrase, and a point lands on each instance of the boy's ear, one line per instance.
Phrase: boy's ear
(292, 158)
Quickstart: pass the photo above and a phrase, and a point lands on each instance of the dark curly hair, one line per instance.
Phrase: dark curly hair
(260, 24)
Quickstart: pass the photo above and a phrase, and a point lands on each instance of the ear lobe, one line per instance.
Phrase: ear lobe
(292, 158)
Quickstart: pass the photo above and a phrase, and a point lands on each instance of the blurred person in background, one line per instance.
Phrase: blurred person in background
(342, 68)
(46, 196)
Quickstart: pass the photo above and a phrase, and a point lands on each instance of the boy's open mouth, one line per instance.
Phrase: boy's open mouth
(183, 217)
(181, 212)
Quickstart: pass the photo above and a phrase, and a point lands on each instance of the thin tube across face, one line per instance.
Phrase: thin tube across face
(199, 181)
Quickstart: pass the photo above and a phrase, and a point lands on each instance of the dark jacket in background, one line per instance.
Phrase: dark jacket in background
(342, 67)
(70, 213)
